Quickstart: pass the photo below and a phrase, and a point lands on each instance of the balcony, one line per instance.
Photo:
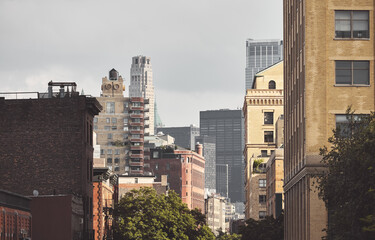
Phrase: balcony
(136, 115)
(146, 110)
(136, 108)
(136, 139)
(136, 155)
(136, 124)
(136, 164)
(136, 172)
(134, 148)
(136, 131)
(136, 99)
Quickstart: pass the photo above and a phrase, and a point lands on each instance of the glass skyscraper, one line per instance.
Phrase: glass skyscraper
(227, 126)
(261, 54)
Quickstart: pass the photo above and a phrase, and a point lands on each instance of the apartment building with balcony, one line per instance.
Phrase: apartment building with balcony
(120, 128)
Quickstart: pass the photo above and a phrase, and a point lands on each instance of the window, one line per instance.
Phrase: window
(117, 169)
(109, 151)
(109, 136)
(95, 119)
(262, 198)
(117, 151)
(347, 124)
(272, 151)
(263, 153)
(126, 129)
(117, 160)
(107, 120)
(114, 120)
(155, 154)
(110, 107)
(114, 127)
(272, 84)
(352, 24)
(168, 166)
(136, 180)
(262, 183)
(126, 121)
(262, 214)
(268, 136)
(102, 151)
(268, 118)
(352, 72)
(156, 166)
(95, 127)
(109, 160)
(187, 194)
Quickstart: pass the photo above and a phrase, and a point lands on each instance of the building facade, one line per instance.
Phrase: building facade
(329, 65)
(15, 216)
(261, 54)
(209, 154)
(184, 170)
(215, 209)
(120, 127)
(48, 141)
(262, 106)
(141, 85)
(274, 183)
(227, 127)
(184, 136)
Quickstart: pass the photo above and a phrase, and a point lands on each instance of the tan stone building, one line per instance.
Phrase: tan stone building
(329, 65)
(120, 127)
(275, 182)
(262, 105)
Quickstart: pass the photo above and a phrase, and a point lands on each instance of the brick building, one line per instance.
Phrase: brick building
(185, 172)
(48, 141)
(15, 216)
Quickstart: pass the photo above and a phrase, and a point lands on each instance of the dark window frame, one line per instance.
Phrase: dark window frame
(351, 21)
(341, 72)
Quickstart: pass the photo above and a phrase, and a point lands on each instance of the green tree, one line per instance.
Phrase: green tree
(225, 236)
(265, 229)
(144, 214)
(348, 185)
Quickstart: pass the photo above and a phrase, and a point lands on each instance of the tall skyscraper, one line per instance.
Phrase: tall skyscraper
(183, 136)
(261, 54)
(228, 128)
(328, 66)
(141, 85)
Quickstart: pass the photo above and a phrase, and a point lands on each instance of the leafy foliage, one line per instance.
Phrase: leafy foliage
(225, 236)
(265, 229)
(348, 185)
(143, 214)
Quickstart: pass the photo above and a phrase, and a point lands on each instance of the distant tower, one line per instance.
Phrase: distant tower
(141, 85)
(261, 54)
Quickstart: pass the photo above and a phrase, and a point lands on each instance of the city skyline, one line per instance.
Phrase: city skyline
(194, 58)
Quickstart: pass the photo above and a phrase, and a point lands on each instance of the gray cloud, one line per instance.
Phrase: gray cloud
(197, 47)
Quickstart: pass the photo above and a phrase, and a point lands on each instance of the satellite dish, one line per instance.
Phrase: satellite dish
(35, 193)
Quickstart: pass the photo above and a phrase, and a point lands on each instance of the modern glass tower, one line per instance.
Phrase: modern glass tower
(227, 126)
(261, 54)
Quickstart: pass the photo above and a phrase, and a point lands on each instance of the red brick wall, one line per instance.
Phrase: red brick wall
(14, 223)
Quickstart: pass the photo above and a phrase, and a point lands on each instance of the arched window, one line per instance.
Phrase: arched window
(272, 85)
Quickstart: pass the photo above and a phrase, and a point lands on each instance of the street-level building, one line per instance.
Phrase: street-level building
(329, 65)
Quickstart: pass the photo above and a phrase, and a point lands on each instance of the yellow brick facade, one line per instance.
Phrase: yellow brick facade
(258, 102)
(312, 100)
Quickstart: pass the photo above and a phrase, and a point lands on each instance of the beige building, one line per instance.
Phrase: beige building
(120, 127)
(329, 65)
(215, 210)
(263, 104)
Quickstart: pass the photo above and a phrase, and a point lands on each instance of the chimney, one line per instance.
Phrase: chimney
(199, 148)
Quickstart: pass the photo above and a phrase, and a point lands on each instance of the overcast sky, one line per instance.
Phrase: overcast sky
(197, 47)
